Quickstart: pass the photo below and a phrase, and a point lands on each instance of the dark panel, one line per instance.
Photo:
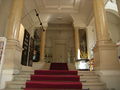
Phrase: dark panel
(31, 50)
(83, 44)
(24, 60)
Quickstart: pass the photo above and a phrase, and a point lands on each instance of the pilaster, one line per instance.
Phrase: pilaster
(42, 43)
(77, 43)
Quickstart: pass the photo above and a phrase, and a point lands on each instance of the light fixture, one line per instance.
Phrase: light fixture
(37, 14)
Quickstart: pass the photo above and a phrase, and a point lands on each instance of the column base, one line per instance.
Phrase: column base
(13, 55)
(12, 62)
(6, 75)
(111, 78)
(105, 54)
(71, 66)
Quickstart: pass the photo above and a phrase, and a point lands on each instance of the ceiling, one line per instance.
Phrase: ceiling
(58, 11)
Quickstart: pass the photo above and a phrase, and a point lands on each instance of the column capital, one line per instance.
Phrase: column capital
(45, 25)
(76, 27)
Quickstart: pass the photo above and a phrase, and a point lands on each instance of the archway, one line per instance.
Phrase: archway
(59, 39)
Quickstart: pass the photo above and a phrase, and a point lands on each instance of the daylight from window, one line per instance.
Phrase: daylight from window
(111, 4)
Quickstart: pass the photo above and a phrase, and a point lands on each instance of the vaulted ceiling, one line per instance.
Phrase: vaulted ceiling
(77, 11)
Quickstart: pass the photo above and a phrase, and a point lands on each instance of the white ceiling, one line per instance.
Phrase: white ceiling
(78, 11)
(57, 5)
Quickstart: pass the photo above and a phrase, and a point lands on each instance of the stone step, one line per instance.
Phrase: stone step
(26, 72)
(15, 86)
(86, 72)
(85, 86)
(84, 83)
(59, 89)
(82, 78)
(28, 75)
(95, 86)
(24, 81)
(21, 79)
(89, 79)
(16, 82)
(79, 72)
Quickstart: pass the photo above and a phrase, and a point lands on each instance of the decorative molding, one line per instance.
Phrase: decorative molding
(113, 12)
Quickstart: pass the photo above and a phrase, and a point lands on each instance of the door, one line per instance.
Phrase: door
(60, 53)
(31, 50)
(25, 52)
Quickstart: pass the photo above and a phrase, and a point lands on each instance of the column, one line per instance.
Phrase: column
(105, 52)
(77, 43)
(13, 26)
(42, 46)
(100, 19)
(13, 49)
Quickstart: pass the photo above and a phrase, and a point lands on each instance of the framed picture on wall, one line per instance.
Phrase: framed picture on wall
(83, 44)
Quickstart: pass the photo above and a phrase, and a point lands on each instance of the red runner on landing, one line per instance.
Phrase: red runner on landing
(58, 66)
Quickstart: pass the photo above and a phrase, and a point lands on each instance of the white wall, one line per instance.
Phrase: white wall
(114, 26)
(91, 40)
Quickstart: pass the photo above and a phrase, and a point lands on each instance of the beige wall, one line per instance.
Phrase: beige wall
(57, 36)
(5, 7)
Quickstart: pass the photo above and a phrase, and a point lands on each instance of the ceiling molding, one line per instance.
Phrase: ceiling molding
(80, 10)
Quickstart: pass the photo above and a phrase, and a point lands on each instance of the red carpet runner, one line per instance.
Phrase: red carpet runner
(54, 80)
(58, 66)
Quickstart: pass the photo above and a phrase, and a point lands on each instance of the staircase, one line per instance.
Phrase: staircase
(90, 80)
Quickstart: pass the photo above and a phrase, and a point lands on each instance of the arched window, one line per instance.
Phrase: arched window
(111, 4)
